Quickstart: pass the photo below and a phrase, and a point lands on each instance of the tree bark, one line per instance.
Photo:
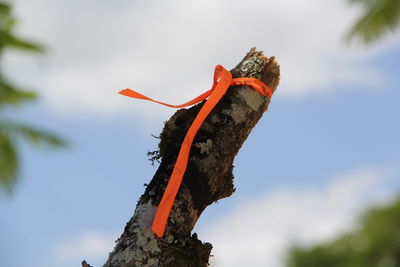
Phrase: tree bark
(208, 176)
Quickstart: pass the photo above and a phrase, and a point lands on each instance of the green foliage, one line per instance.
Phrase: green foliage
(8, 160)
(32, 135)
(375, 244)
(11, 96)
(379, 18)
(7, 38)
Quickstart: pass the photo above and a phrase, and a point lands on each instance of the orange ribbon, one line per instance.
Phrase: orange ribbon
(222, 80)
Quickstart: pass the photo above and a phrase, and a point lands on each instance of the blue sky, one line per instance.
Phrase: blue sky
(326, 149)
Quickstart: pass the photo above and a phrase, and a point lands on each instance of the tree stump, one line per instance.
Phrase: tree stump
(208, 176)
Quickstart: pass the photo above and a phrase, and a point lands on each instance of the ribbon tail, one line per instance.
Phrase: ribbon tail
(131, 93)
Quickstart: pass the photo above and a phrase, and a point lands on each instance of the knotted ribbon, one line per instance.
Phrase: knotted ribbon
(222, 80)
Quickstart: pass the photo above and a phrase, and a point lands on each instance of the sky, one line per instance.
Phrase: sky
(325, 151)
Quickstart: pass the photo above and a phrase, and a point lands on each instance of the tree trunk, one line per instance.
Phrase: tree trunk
(208, 176)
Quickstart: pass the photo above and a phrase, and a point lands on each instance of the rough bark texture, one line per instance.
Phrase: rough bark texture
(208, 177)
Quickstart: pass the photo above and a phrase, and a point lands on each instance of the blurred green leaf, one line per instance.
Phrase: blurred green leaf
(8, 161)
(7, 37)
(10, 132)
(21, 44)
(10, 96)
(379, 18)
(31, 134)
(4, 9)
(375, 244)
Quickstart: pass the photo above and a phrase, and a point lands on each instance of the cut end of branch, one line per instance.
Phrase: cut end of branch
(256, 65)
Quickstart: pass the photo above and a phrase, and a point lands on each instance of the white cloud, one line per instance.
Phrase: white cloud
(167, 49)
(91, 246)
(259, 231)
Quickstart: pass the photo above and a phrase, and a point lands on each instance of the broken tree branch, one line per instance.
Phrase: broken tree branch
(208, 176)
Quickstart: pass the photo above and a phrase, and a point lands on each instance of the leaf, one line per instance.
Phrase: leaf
(33, 135)
(4, 9)
(10, 132)
(376, 242)
(10, 95)
(8, 161)
(379, 18)
(21, 44)
(7, 38)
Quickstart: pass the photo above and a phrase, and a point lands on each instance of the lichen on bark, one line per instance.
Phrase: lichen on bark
(208, 175)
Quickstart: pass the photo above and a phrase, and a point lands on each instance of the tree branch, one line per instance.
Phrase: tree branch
(208, 176)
